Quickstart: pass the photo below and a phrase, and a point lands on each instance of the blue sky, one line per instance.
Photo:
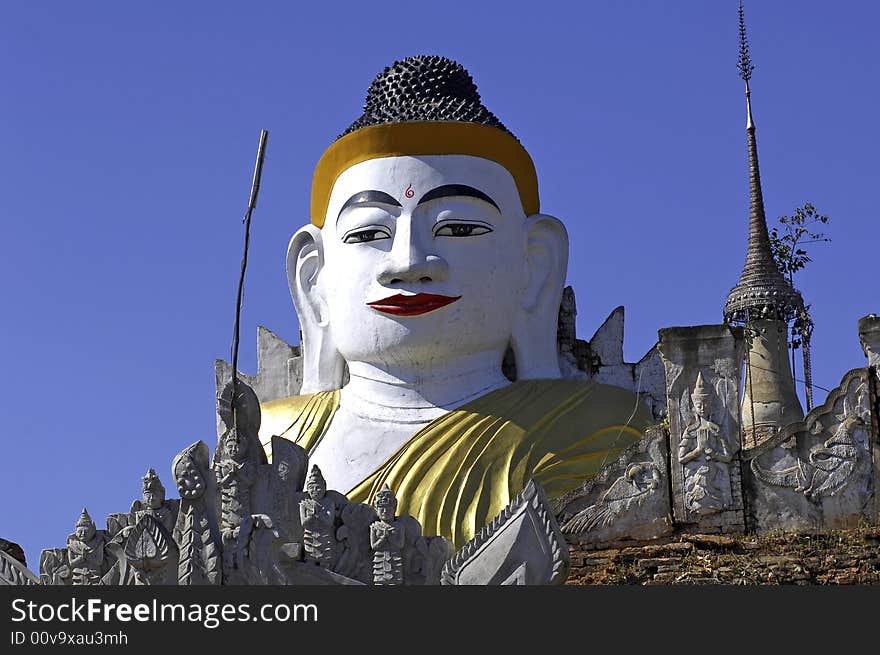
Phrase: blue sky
(127, 146)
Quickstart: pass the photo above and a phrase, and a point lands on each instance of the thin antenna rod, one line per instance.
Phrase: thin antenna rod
(252, 202)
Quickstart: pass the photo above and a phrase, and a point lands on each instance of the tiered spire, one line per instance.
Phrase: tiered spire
(762, 291)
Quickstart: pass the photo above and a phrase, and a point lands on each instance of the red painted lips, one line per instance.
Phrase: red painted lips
(421, 303)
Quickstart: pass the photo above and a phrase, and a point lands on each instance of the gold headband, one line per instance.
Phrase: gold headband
(424, 138)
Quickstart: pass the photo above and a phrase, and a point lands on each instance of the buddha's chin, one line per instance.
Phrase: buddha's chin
(412, 358)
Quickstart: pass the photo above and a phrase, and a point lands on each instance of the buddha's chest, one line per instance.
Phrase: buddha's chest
(353, 447)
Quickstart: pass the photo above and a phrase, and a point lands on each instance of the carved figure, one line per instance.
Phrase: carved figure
(153, 502)
(235, 477)
(832, 464)
(319, 514)
(631, 489)
(85, 552)
(387, 540)
(705, 455)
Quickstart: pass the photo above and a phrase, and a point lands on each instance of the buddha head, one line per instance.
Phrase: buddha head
(426, 243)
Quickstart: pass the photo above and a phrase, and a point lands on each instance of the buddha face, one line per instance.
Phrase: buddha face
(424, 261)
(419, 252)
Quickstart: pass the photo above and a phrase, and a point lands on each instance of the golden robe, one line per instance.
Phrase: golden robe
(461, 470)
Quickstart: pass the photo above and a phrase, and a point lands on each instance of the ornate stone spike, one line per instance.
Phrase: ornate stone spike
(196, 531)
(84, 520)
(522, 545)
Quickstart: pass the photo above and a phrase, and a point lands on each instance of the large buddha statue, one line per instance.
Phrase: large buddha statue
(426, 258)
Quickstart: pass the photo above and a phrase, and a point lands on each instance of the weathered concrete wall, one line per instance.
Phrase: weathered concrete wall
(279, 368)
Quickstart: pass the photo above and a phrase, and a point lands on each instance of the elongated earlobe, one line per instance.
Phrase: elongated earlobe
(322, 364)
(534, 335)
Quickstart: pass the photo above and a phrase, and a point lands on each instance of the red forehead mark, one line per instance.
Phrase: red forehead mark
(409, 193)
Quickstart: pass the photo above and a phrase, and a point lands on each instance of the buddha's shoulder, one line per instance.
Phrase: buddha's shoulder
(279, 416)
(532, 400)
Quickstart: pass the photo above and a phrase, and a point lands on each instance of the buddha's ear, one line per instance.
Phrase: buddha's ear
(534, 335)
(322, 364)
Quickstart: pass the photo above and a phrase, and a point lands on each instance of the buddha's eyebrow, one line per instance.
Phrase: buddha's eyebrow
(450, 190)
(368, 196)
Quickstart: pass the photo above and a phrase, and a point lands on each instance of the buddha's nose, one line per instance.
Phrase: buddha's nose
(409, 261)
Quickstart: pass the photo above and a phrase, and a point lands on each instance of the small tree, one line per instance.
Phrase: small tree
(796, 231)
(786, 243)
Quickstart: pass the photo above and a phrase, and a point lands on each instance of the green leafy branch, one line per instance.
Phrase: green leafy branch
(794, 232)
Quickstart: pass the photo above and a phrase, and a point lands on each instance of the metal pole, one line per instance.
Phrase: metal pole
(252, 203)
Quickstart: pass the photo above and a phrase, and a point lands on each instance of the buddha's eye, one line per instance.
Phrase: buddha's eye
(461, 230)
(365, 235)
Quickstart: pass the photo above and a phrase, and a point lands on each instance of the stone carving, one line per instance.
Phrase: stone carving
(387, 540)
(150, 552)
(632, 488)
(702, 384)
(704, 454)
(869, 336)
(319, 513)
(235, 475)
(356, 560)
(628, 498)
(235, 517)
(85, 552)
(14, 573)
(818, 473)
(154, 503)
(836, 460)
(142, 544)
(290, 465)
(196, 531)
(521, 546)
(54, 568)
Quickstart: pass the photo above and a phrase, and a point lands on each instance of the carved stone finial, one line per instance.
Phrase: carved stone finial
(85, 521)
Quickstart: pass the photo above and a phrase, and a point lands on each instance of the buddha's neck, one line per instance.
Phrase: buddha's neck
(420, 393)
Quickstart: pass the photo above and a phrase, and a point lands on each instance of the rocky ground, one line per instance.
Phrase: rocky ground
(847, 557)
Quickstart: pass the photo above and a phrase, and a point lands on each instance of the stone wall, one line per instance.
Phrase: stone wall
(834, 558)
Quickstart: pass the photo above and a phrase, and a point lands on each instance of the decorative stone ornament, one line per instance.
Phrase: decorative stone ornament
(628, 499)
(818, 473)
(702, 385)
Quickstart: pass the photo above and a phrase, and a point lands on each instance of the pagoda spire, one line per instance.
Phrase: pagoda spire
(762, 290)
